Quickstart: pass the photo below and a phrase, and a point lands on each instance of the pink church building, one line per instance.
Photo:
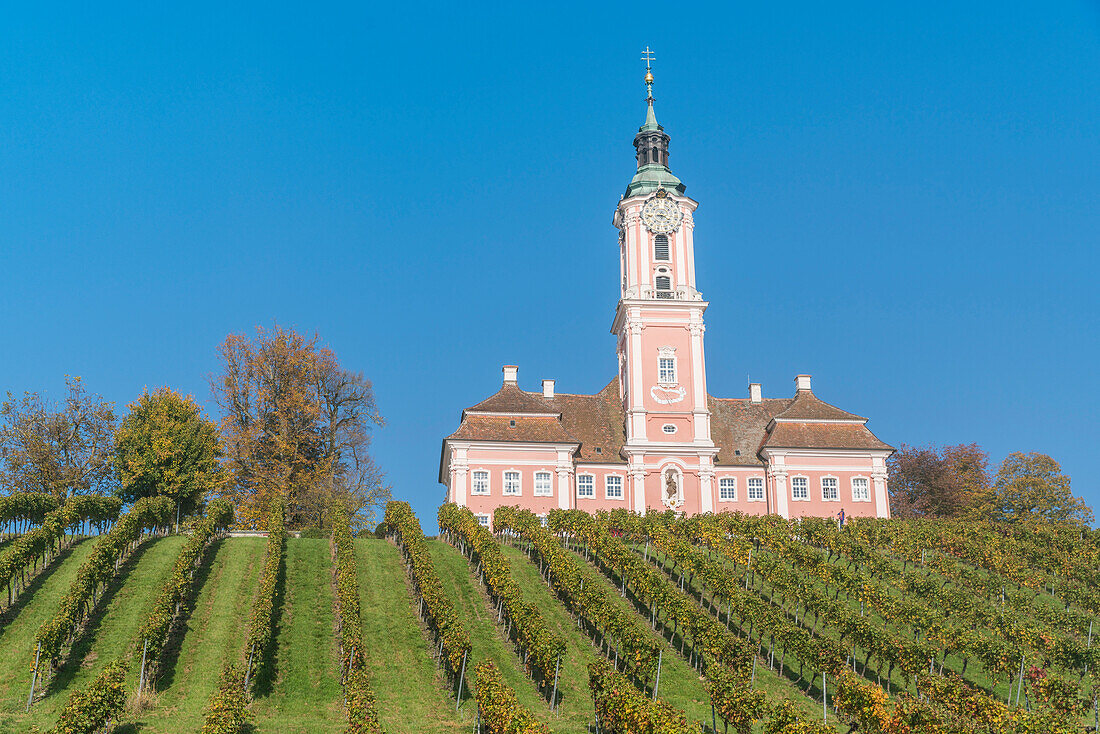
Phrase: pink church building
(653, 437)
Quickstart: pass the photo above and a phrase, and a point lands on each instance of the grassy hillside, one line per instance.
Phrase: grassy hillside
(486, 639)
(304, 692)
(214, 635)
(413, 697)
(796, 571)
(111, 630)
(17, 635)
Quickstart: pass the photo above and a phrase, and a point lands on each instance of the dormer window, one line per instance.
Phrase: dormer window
(660, 247)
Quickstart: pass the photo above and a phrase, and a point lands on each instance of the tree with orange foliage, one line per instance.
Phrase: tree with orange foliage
(926, 481)
(297, 426)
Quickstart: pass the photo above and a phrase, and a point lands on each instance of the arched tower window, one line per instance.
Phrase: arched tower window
(660, 247)
(664, 286)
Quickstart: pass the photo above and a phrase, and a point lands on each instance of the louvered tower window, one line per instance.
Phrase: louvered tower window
(660, 247)
(664, 286)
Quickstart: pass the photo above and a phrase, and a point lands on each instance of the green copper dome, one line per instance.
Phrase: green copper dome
(651, 145)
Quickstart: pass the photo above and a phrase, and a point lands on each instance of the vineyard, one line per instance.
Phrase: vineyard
(110, 620)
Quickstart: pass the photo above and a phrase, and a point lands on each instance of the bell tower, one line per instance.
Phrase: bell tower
(659, 329)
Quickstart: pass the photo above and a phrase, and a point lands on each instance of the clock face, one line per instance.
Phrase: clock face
(661, 215)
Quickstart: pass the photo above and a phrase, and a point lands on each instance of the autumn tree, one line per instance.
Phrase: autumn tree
(348, 413)
(296, 425)
(166, 447)
(926, 481)
(1031, 486)
(57, 449)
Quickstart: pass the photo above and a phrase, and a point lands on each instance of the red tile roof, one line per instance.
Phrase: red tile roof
(739, 427)
(823, 436)
(597, 421)
(520, 428)
(808, 407)
(510, 399)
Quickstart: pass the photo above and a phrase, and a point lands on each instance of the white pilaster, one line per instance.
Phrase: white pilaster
(706, 490)
(637, 474)
(458, 476)
(878, 479)
(637, 390)
(701, 416)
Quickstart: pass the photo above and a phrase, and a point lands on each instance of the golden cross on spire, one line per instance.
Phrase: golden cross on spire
(648, 58)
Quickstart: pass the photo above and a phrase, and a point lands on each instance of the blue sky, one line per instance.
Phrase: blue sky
(901, 199)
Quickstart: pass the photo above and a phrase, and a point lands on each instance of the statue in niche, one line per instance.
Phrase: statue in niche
(673, 499)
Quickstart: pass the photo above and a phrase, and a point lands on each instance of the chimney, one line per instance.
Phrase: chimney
(754, 392)
(802, 382)
(510, 371)
(548, 388)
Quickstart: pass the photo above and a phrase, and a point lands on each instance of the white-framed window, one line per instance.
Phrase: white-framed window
(829, 489)
(483, 520)
(756, 489)
(727, 489)
(861, 489)
(586, 485)
(542, 520)
(668, 428)
(800, 488)
(666, 369)
(480, 482)
(660, 247)
(613, 487)
(511, 483)
(543, 487)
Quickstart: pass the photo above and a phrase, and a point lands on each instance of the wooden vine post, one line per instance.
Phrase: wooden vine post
(34, 675)
(554, 695)
(141, 675)
(657, 682)
(248, 673)
(461, 674)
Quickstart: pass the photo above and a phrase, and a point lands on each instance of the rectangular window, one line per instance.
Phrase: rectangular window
(829, 489)
(585, 486)
(613, 487)
(542, 520)
(727, 489)
(666, 369)
(800, 488)
(483, 520)
(861, 492)
(756, 489)
(542, 484)
(481, 483)
(511, 483)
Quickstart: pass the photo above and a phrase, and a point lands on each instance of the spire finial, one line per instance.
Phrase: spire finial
(648, 58)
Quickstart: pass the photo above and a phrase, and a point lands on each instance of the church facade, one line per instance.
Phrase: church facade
(654, 437)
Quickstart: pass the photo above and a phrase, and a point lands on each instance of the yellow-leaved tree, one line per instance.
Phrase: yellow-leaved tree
(296, 425)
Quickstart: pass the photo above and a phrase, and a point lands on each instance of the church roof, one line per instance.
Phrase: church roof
(520, 428)
(598, 423)
(510, 399)
(595, 423)
(823, 436)
(809, 407)
(738, 426)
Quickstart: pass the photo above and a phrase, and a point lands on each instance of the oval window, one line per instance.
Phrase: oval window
(668, 428)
